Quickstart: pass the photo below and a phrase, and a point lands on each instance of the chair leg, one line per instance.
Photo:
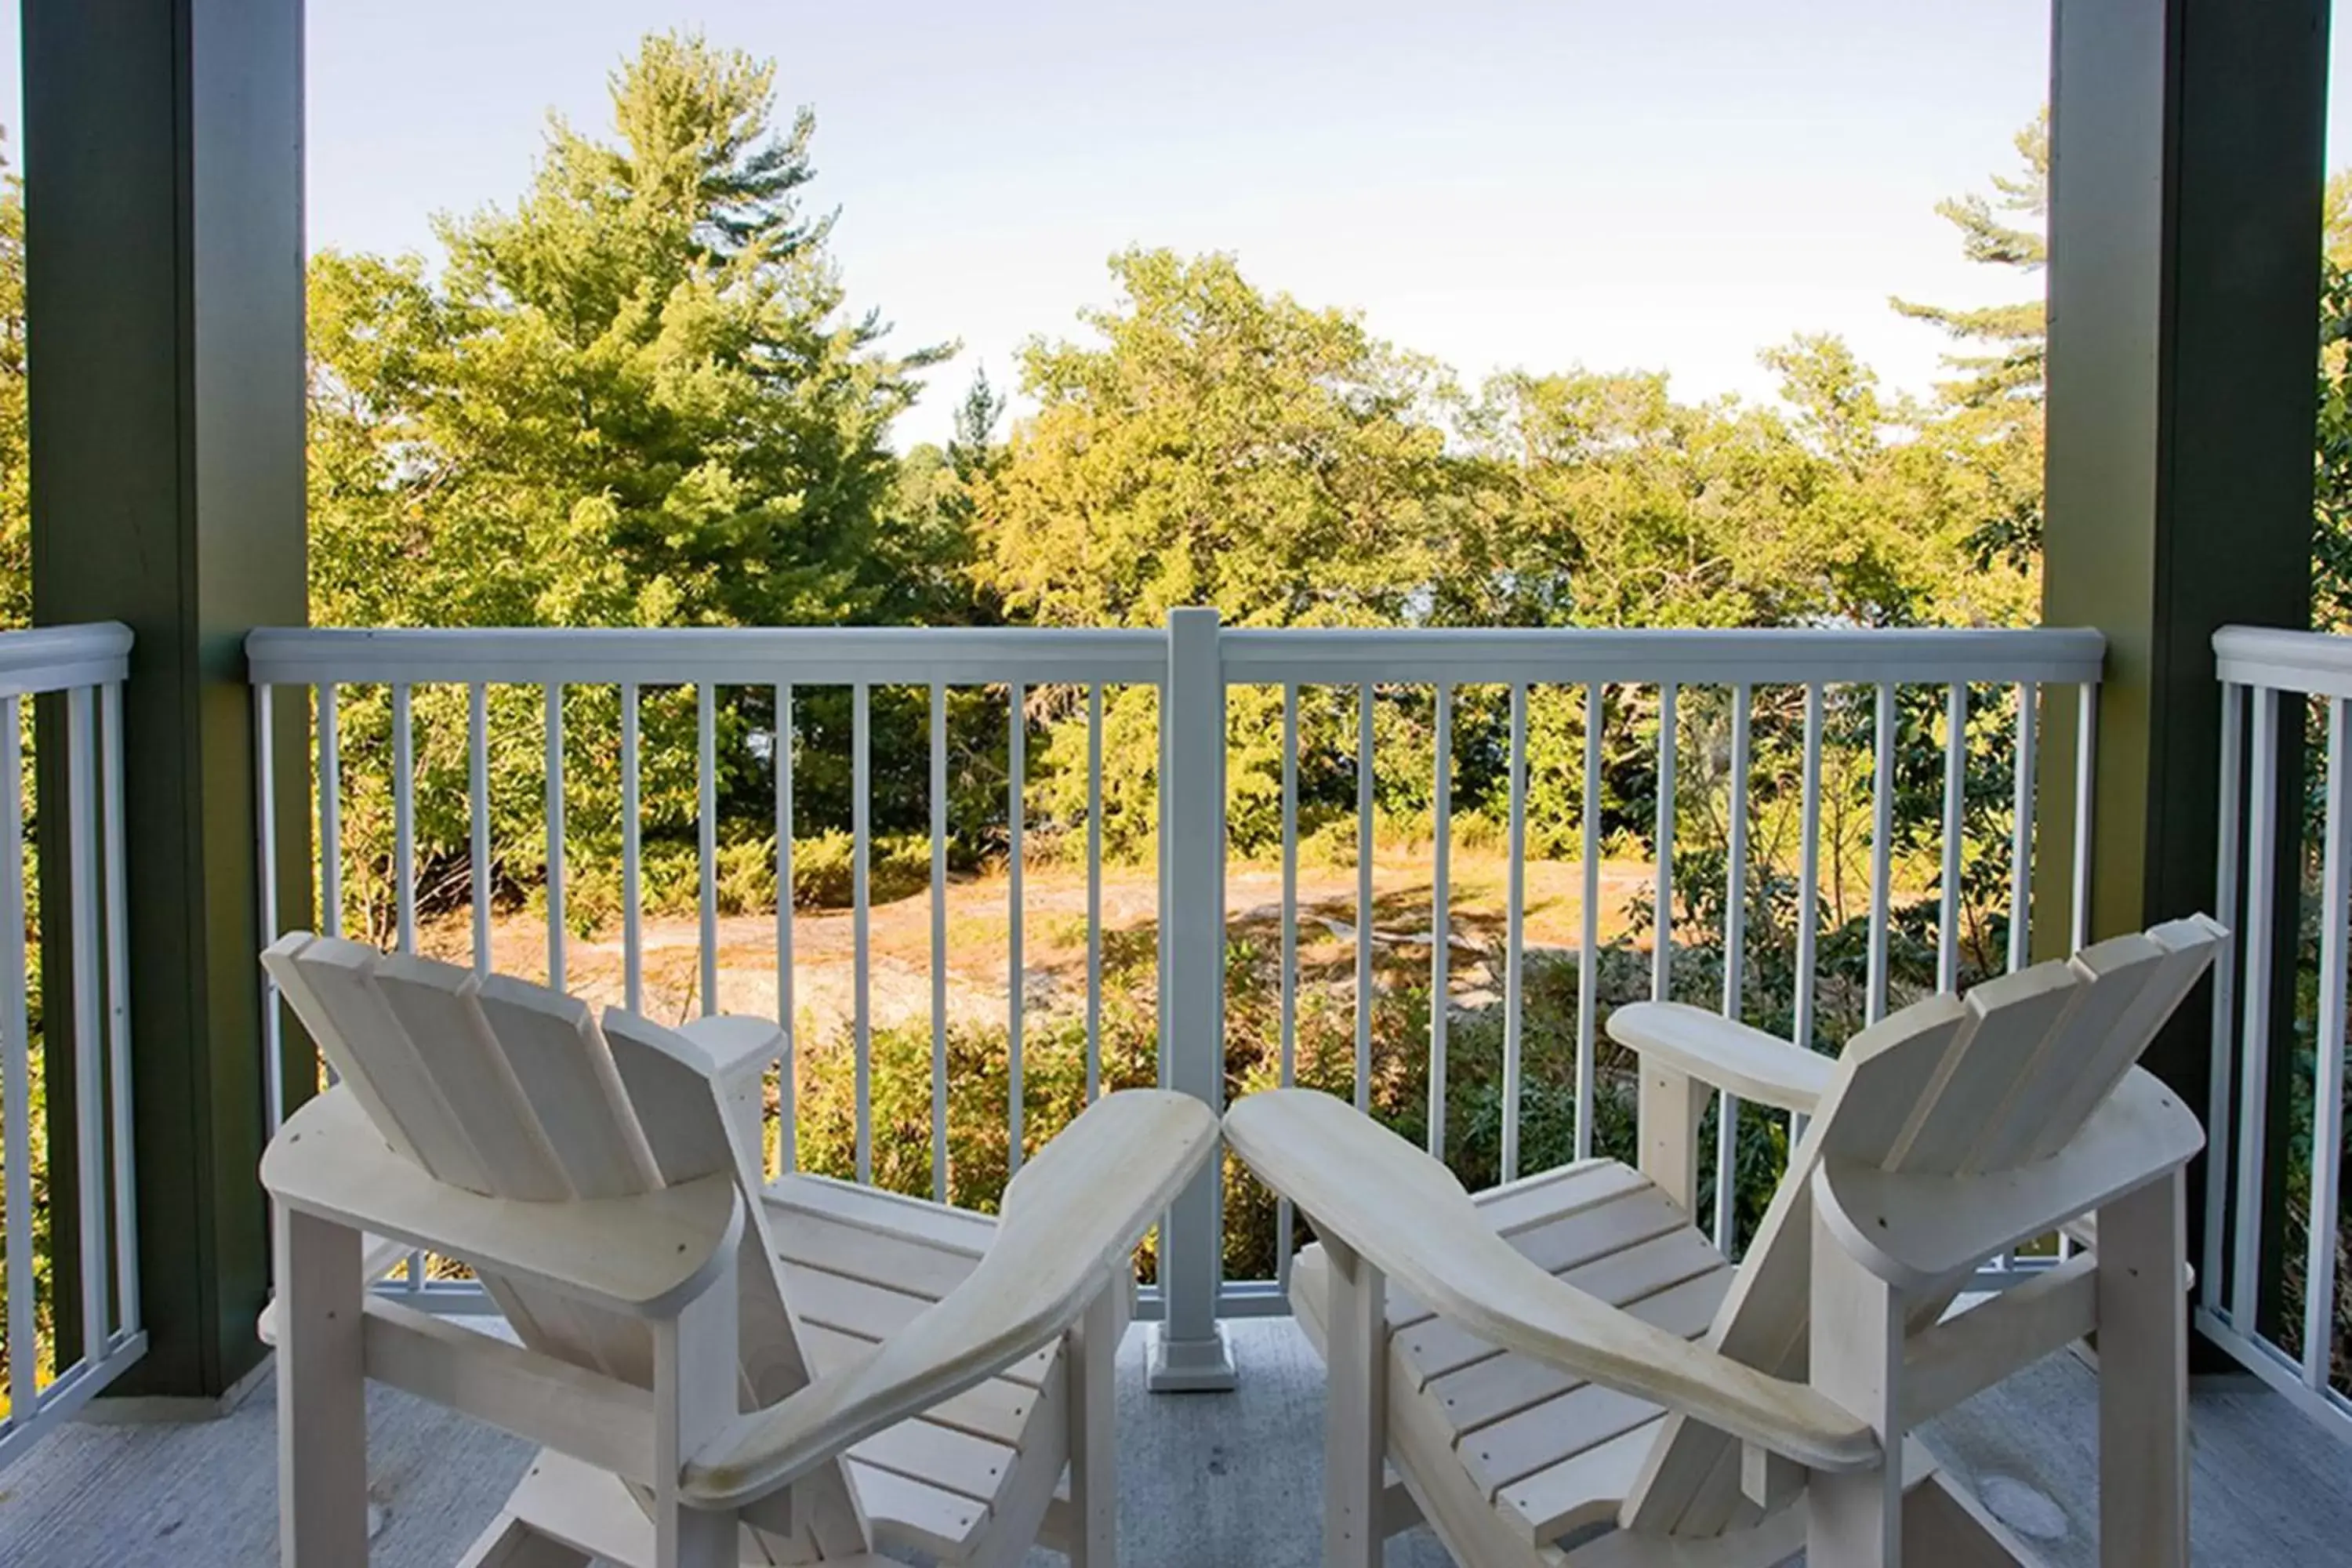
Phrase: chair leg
(1094, 1434)
(694, 1380)
(1855, 1520)
(1356, 1424)
(322, 1393)
(2144, 1378)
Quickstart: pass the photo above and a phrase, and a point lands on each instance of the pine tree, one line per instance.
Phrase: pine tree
(2012, 337)
(639, 391)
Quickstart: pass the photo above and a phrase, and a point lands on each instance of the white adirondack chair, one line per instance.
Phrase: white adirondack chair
(720, 1371)
(1577, 1379)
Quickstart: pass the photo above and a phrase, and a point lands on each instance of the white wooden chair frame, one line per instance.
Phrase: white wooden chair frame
(716, 1478)
(2060, 1126)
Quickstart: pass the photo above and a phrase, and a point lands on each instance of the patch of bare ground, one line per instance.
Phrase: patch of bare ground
(978, 968)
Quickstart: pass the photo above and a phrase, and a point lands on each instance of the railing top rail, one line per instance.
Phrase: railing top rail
(729, 656)
(961, 656)
(58, 659)
(2319, 663)
(1647, 656)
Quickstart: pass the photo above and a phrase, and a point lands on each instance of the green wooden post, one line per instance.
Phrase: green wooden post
(163, 185)
(2186, 144)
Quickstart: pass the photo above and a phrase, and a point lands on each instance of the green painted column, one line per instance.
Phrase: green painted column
(2187, 141)
(163, 181)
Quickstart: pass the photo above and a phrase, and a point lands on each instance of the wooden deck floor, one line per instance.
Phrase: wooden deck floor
(1207, 1480)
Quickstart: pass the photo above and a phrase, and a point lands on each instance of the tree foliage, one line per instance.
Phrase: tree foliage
(1222, 446)
(635, 398)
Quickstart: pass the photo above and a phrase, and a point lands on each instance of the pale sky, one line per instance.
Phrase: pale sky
(1501, 183)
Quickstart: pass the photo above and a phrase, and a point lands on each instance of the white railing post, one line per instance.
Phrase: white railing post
(1191, 1352)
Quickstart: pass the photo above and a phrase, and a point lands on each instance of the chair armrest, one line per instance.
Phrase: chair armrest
(1760, 1068)
(735, 1042)
(645, 1255)
(1071, 1220)
(1409, 1217)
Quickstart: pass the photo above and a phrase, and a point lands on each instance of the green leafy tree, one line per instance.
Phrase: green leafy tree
(1216, 445)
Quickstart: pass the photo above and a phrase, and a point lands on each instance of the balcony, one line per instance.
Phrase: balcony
(1897, 785)
(985, 875)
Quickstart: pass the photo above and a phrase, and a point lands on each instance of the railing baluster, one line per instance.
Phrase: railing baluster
(705, 838)
(1809, 872)
(1955, 774)
(633, 908)
(2087, 738)
(117, 1010)
(780, 762)
(2021, 863)
(273, 1043)
(939, 761)
(861, 994)
(477, 825)
(404, 818)
(556, 969)
(1735, 954)
(2021, 832)
(1016, 779)
(1364, 897)
(1441, 915)
(1284, 1217)
(331, 808)
(2319, 1339)
(2253, 1093)
(1882, 850)
(1515, 935)
(2226, 873)
(16, 1072)
(1588, 958)
(1809, 883)
(1662, 935)
(1094, 889)
(88, 1027)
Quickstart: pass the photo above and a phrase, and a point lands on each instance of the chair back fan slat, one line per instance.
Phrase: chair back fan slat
(326, 982)
(435, 1004)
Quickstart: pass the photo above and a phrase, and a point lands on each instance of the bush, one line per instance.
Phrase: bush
(824, 869)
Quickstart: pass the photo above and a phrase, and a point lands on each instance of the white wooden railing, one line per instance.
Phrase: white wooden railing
(64, 1346)
(2276, 687)
(1846, 682)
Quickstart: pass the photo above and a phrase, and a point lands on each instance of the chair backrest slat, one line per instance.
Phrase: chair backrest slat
(2014, 1017)
(2115, 974)
(433, 1004)
(327, 983)
(2188, 946)
(1951, 1086)
(561, 1062)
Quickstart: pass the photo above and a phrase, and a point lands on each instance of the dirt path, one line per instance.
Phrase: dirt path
(1054, 906)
